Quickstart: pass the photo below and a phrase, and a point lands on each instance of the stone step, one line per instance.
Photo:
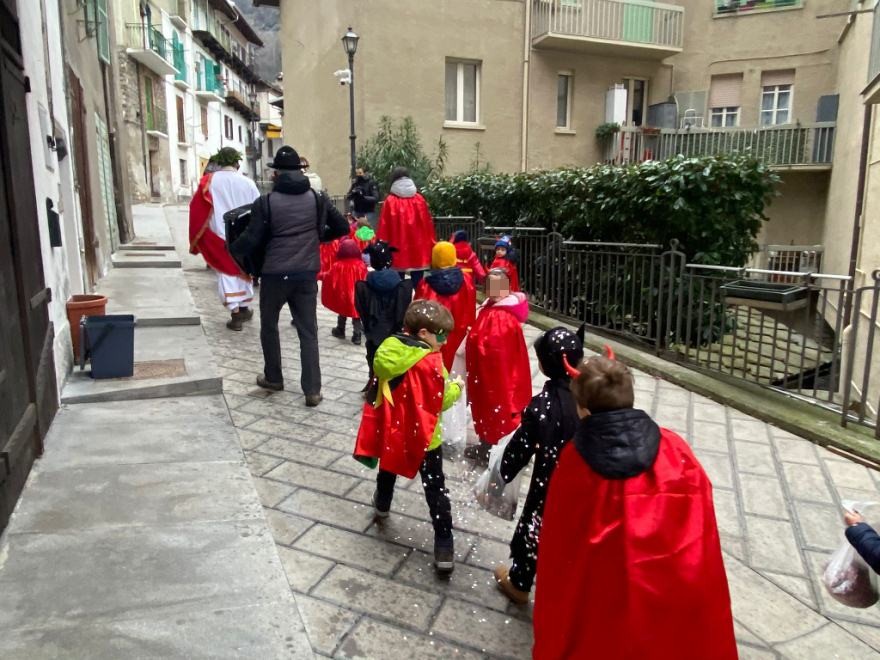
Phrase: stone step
(146, 259)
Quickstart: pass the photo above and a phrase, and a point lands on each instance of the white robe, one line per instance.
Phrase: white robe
(229, 190)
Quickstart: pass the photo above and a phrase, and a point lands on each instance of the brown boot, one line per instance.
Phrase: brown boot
(235, 323)
(502, 578)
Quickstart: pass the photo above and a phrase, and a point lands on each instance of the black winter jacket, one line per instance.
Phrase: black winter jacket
(364, 195)
(286, 239)
(548, 423)
(618, 444)
(381, 301)
(866, 541)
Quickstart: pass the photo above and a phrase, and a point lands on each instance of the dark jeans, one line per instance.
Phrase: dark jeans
(356, 326)
(436, 494)
(371, 354)
(302, 296)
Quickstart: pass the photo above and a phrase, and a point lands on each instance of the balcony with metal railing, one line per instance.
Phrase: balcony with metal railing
(147, 45)
(796, 146)
(735, 7)
(208, 87)
(628, 28)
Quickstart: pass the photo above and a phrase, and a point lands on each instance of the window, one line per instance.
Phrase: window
(149, 119)
(563, 100)
(462, 92)
(777, 88)
(724, 100)
(181, 121)
(240, 139)
(183, 172)
(227, 127)
(204, 121)
(636, 100)
(103, 31)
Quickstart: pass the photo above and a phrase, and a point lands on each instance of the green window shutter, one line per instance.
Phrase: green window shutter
(148, 103)
(103, 30)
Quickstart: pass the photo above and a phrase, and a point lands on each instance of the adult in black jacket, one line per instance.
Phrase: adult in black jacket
(863, 538)
(364, 195)
(548, 423)
(286, 229)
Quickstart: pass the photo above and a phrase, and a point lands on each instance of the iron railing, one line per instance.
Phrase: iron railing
(778, 146)
(148, 37)
(630, 21)
(724, 7)
(782, 329)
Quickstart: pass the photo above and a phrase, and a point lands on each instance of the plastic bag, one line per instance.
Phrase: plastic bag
(848, 578)
(490, 491)
(454, 422)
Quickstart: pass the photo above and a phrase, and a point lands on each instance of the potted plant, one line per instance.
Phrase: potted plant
(606, 131)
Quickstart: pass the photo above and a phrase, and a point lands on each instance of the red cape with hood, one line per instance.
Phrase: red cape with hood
(629, 564)
(328, 256)
(337, 290)
(204, 241)
(512, 271)
(396, 431)
(468, 261)
(406, 223)
(499, 375)
(456, 293)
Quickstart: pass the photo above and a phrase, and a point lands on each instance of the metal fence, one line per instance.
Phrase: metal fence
(783, 329)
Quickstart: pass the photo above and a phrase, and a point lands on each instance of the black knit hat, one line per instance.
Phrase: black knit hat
(381, 255)
(551, 346)
(286, 158)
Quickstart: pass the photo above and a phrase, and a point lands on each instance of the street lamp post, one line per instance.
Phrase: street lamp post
(252, 97)
(350, 44)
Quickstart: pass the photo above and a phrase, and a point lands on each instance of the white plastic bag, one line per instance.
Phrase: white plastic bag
(848, 578)
(454, 422)
(490, 491)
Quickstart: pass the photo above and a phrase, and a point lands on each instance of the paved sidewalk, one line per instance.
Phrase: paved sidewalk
(370, 591)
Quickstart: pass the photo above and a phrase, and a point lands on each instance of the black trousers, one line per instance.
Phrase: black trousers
(356, 326)
(302, 297)
(522, 570)
(436, 494)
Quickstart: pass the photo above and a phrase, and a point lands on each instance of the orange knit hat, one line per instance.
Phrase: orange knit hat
(443, 255)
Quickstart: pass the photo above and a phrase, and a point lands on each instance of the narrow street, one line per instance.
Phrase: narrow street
(777, 500)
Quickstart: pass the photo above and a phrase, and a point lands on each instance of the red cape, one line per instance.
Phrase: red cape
(499, 378)
(337, 291)
(463, 307)
(406, 223)
(632, 568)
(398, 433)
(469, 262)
(204, 241)
(328, 256)
(512, 272)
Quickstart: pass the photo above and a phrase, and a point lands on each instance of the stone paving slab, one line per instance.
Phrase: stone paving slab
(777, 499)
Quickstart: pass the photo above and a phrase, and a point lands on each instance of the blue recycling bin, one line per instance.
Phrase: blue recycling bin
(108, 342)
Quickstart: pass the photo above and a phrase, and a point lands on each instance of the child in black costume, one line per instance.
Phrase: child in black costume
(548, 423)
(381, 300)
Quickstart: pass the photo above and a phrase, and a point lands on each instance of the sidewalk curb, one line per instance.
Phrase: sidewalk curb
(819, 426)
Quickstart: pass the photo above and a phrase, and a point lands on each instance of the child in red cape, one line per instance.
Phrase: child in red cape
(506, 258)
(401, 429)
(466, 258)
(328, 256)
(447, 284)
(406, 223)
(499, 376)
(337, 291)
(630, 561)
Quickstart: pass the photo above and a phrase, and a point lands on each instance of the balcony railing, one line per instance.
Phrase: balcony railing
(148, 37)
(799, 145)
(207, 81)
(723, 7)
(649, 26)
(155, 120)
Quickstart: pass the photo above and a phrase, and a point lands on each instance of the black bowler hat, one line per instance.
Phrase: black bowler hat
(286, 158)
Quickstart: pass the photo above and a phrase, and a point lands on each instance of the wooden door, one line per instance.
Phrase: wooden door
(82, 171)
(28, 396)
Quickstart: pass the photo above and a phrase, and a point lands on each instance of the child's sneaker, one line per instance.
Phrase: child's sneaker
(378, 513)
(502, 579)
(339, 333)
(444, 557)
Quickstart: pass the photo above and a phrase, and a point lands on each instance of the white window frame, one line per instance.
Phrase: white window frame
(569, 93)
(458, 122)
(775, 90)
(724, 113)
(630, 84)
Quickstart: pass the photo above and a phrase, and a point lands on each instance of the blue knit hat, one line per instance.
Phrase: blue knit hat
(503, 242)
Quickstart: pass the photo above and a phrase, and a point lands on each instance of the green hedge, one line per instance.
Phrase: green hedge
(714, 206)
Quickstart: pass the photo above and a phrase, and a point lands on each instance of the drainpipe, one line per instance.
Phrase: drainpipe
(860, 202)
(527, 48)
